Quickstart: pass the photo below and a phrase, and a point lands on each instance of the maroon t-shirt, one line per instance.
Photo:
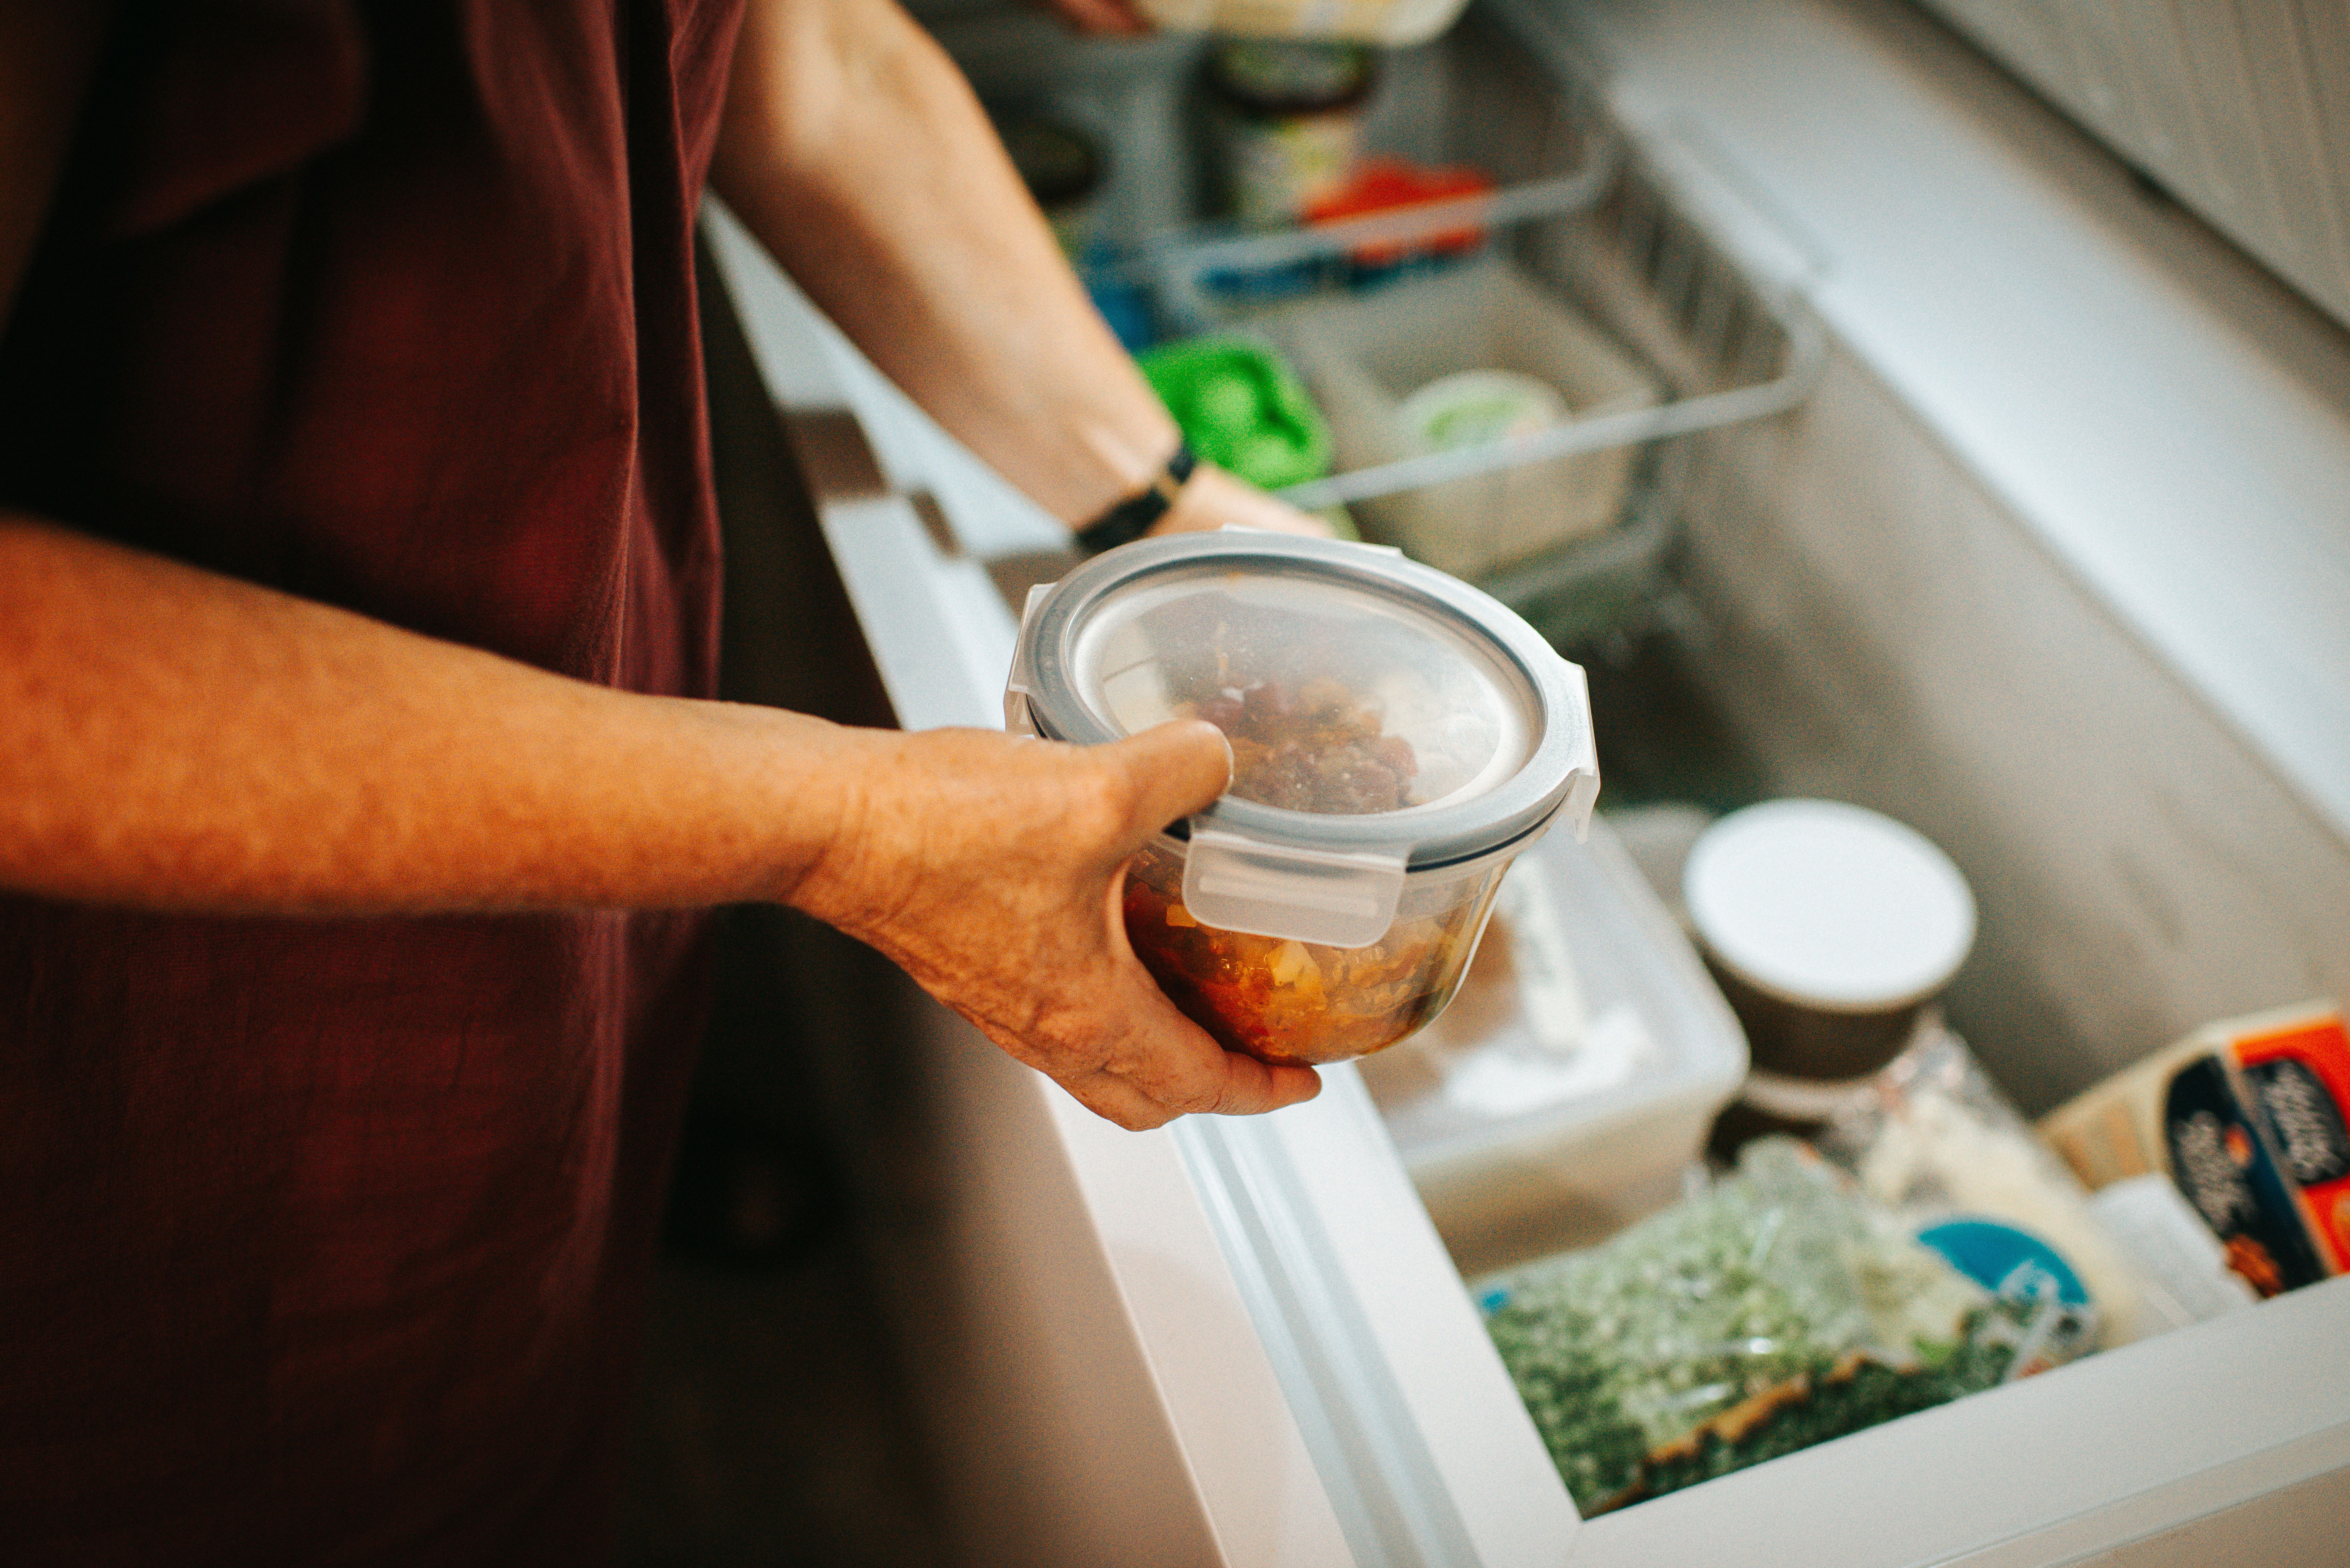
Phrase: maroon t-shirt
(319, 1239)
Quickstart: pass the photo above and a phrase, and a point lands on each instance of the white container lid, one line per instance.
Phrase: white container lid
(1829, 906)
(1477, 407)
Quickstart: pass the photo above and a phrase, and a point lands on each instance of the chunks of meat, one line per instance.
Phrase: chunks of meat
(1315, 749)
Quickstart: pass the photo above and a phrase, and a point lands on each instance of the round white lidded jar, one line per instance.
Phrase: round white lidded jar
(1398, 738)
(1829, 926)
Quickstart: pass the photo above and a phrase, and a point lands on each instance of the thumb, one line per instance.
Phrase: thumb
(1172, 770)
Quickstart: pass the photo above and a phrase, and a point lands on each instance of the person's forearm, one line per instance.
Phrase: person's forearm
(170, 739)
(855, 150)
(176, 741)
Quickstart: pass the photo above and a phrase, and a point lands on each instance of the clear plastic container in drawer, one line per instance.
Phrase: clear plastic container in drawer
(1577, 1071)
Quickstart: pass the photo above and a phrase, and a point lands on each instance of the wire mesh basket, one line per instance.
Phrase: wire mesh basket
(1477, 99)
(1601, 231)
(1578, 217)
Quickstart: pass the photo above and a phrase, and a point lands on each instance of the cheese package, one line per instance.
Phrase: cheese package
(2251, 1120)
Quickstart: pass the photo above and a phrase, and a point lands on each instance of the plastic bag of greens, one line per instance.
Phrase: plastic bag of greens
(1937, 1142)
(1777, 1310)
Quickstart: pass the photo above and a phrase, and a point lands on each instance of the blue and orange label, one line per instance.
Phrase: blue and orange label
(2298, 1081)
(2220, 1162)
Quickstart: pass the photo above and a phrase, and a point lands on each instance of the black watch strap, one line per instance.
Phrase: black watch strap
(1132, 518)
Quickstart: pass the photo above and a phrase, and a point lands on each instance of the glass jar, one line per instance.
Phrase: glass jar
(1398, 739)
(1289, 118)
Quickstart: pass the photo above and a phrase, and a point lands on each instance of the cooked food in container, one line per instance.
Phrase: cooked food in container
(1398, 739)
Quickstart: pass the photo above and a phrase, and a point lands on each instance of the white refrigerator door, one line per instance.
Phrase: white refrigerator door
(1425, 1451)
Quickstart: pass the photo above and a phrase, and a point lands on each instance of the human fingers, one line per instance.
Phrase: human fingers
(1168, 771)
(991, 871)
(1087, 1014)
(1158, 1064)
(1115, 1098)
(1236, 1086)
(1101, 1028)
(1137, 1094)
(1170, 1060)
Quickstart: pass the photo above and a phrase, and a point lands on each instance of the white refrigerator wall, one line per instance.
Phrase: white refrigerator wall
(2242, 110)
(1887, 634)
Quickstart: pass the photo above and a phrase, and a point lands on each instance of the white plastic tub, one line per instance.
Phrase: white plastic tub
(1577, 1072)
(1366, 356)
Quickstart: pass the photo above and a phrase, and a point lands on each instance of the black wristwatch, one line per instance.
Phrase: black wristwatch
(1132, 518)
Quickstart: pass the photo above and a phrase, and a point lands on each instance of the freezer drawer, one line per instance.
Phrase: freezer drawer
(1429, 1459)
(1169, 1335)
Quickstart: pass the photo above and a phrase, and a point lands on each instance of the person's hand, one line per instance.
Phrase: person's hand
(991, 870)
(1214, 499)
(1116, 18)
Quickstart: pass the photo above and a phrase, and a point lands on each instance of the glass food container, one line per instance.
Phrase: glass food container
(1398, 739)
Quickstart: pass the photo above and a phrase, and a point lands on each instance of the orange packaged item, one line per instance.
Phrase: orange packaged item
(1390, 184)
(2251, 1120)
(2299, 1078)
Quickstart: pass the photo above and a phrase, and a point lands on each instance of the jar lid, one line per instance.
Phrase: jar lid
(1476, 407)
(1279, 77)
(1830, 906)
(1242, 407)
(1375, 706)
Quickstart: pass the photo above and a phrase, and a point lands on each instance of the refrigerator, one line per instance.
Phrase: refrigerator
(1986, 485)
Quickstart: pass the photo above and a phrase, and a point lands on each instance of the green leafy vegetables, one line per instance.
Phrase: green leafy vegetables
(1775, 1310)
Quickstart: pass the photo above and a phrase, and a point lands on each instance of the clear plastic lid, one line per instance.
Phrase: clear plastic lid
(1336, 702)
(1381, 714)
